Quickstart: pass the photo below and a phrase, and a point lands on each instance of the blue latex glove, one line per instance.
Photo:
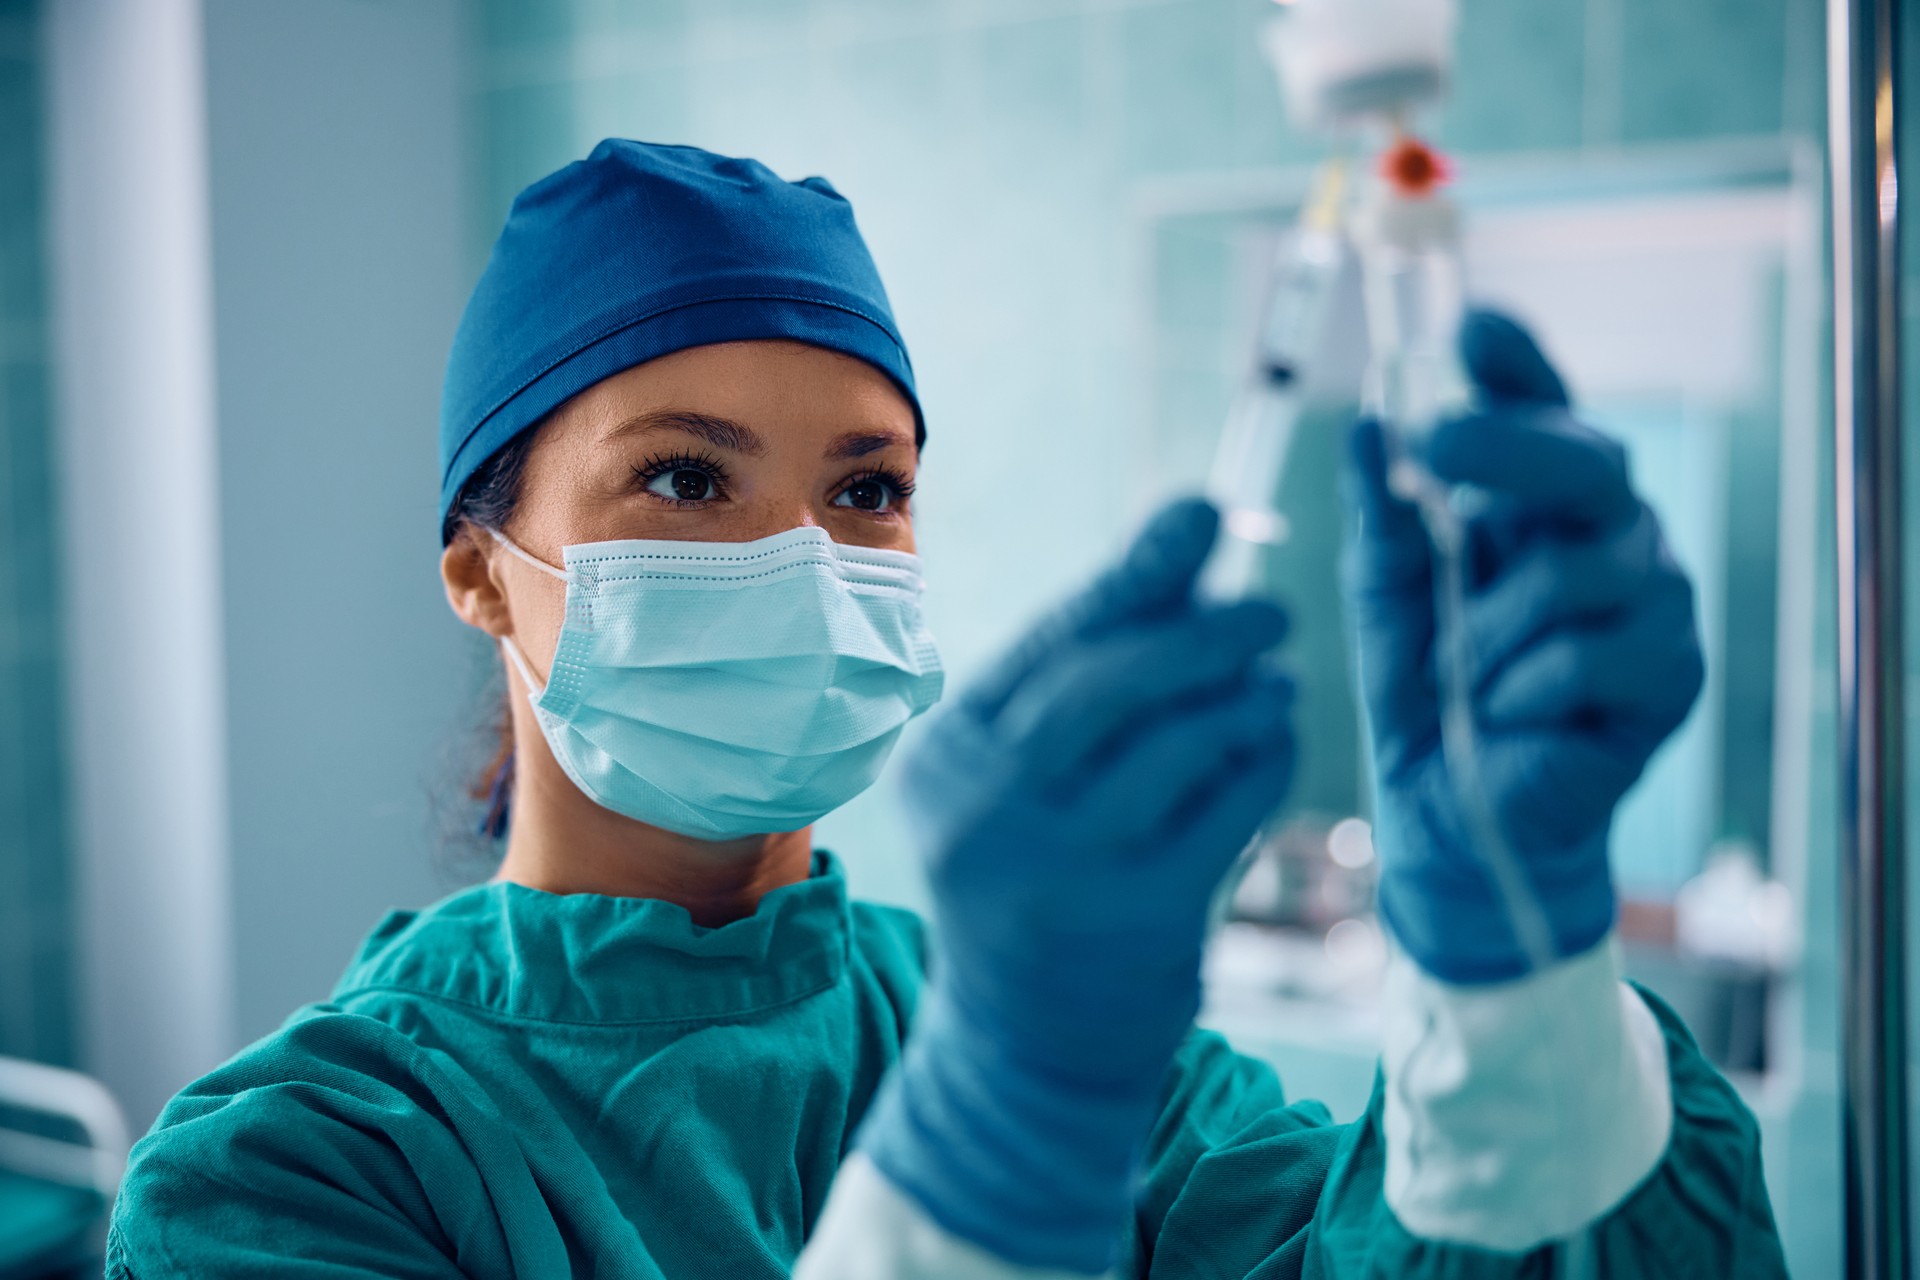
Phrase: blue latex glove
(1077, 810)
(1586, 660)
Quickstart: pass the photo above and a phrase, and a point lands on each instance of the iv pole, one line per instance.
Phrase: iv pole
(1862, 46)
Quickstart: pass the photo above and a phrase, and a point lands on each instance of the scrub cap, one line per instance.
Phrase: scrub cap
(641, 250)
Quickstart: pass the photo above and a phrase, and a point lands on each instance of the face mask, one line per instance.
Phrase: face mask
(726, 689)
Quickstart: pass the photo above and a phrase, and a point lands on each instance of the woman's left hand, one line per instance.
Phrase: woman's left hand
(1585, 659)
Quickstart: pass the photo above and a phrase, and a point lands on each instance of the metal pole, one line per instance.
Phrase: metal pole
(1862, 44)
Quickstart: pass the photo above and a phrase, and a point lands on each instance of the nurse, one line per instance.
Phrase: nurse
(680, 439)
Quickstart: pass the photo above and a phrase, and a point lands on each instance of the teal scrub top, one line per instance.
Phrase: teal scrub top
(515, 1083)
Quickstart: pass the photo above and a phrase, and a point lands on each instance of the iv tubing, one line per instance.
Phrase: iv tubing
(1460, 737)
(1391, 324)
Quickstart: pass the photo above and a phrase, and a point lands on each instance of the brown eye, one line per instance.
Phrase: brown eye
(684, 484)
(867, 495)
(878, 492)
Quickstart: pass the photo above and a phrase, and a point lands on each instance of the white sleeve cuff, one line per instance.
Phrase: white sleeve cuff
(1522, 1112)
(871, 1231)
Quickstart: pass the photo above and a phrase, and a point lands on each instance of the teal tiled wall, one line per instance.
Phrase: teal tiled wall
(993, 149)
(1703, 68)
(36, 921)
(996, 151)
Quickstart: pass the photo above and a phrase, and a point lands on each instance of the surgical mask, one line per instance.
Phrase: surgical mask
(727, 689)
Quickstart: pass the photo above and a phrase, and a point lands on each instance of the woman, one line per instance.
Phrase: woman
(680, 438)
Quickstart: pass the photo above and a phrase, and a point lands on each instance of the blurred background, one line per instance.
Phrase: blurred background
(237, 722)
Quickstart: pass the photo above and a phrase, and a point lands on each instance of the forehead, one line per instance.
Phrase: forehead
(767, 384)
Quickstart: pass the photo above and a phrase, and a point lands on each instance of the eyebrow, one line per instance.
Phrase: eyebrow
(721, 433)
(858, 444)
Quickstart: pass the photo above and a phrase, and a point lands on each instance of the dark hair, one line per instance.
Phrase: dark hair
(491, 493)
(487, 501)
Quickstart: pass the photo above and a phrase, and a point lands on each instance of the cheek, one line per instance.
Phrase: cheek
(862, 530)
(538, 605)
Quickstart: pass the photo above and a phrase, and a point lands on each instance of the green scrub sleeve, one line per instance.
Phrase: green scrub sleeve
(331, 1150)
(1239, 1185)
(341, 1147)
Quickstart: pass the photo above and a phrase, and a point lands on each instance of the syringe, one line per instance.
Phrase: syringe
(1252, 454)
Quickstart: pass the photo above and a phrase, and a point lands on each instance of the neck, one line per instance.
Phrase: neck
(562, 842)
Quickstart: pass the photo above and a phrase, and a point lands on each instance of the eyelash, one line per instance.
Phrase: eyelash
(660, 464)
(898, 481)
(645, 473)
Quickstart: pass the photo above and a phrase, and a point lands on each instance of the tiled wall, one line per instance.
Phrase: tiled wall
(35, 917)
(996, 151)
(1125, 87)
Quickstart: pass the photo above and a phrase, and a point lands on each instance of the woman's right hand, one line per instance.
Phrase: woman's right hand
(1079, 806)
(1077, 809)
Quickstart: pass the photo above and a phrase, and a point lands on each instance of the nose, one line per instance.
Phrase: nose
(776, 513)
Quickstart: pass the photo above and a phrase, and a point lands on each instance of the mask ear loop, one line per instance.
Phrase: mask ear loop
(493, 824)
(529, 557)
(535, 687)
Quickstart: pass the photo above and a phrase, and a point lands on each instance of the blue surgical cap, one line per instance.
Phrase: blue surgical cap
(641, 250)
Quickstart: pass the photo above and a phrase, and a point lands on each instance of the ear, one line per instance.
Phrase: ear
(473, 590)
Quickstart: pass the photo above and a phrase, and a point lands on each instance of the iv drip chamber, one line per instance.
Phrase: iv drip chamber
(1412, 281)
(1341, 61)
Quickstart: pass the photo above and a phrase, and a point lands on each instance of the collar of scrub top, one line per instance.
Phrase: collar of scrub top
(594, 959)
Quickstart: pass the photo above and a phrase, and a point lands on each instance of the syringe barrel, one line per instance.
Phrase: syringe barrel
(1252, 454)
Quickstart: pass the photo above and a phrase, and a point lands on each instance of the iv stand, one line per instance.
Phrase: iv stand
(1863, 41)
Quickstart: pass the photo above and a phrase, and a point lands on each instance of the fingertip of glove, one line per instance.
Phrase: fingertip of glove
(1485, 327)
(1505, 360)
(1173, 546)
(1183, 526)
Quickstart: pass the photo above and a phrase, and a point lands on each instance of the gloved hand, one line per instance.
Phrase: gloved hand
(1585, 659)
(1077, 809)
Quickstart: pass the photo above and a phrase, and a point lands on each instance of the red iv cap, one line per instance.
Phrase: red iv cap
(1414, 169)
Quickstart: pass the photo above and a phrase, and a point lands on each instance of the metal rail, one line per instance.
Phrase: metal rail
(1862, 47)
